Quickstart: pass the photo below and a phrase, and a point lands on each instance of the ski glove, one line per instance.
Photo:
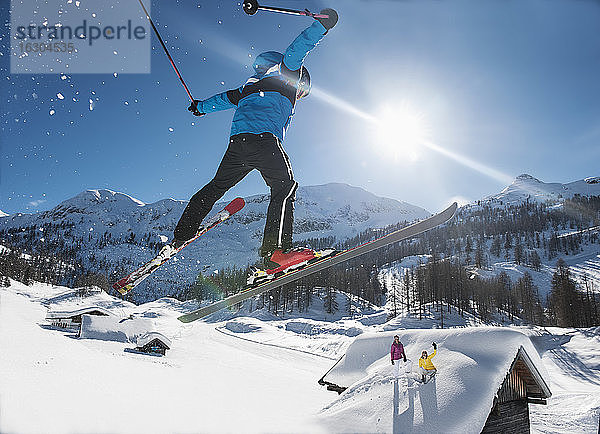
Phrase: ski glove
(434, 346)
(194, 108)
(328, 23)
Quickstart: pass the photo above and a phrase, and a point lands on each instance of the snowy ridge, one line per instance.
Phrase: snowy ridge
(117, 228)
(526, 187)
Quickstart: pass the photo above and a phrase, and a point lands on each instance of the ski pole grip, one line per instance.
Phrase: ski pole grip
(250, 6)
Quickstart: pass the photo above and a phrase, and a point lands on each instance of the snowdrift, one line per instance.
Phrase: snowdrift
(472, 364)
(112, 328)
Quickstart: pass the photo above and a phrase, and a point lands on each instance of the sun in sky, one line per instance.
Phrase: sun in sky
(400, 131)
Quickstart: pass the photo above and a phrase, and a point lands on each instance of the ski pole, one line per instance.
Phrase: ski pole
(166, 51)
(252, 6)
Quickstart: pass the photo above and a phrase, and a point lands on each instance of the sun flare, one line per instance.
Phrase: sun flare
(400, 131)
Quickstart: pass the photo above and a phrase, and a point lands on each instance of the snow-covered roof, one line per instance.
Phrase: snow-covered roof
(472, 364)
(149, 337)
(57, 314)
(113, 328)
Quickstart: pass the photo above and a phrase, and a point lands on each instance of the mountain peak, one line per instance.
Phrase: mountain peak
(526, 187)
(95, 196)
(527, 177)
(592, 180)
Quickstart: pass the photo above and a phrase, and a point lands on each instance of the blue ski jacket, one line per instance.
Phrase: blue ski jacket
(265, 103)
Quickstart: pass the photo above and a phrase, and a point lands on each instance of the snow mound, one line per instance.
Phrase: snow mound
(110, 328)
(244, 325)
(454, 401)
(309, 327)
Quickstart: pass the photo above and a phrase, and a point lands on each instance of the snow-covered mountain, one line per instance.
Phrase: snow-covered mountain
(3, 214)
(110, 228)
(527, 187)
(562, 231)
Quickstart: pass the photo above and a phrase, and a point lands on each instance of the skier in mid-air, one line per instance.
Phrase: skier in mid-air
(426, 367)
(264, 108)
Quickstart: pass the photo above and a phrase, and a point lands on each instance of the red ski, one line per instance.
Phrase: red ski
(129, 282)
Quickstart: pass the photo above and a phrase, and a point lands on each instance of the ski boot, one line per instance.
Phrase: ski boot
(280, 262)
(169, 250)
(286, 261)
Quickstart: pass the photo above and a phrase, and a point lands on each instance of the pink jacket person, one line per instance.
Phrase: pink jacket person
(397, 351)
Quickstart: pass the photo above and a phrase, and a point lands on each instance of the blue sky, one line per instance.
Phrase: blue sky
(497, 88)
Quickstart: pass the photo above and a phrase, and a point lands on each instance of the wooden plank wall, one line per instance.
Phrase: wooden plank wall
(508, 418)
(514, 387)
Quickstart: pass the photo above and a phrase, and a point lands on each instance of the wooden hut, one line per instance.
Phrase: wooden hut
(153, 343)
(487, 377)
(71, 319)
(522, 386)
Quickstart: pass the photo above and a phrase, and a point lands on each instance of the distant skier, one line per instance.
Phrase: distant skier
(397, 355)
(264, 107)
(426, 366)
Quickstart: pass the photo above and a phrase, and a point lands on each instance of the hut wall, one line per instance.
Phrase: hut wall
(513, 388)
(155, 346)
(509, 418)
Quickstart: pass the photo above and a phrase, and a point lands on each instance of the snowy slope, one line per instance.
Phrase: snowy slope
(572, 360)
(260, 374)
(527, 187)
(117, 228)
(209, 382)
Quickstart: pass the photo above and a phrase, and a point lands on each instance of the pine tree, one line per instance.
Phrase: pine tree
(330, 302)
(468, 250)
(518, 250)
(563, 296)
(479, 255)
(407, 285)
(496, 247)
(507, 245)
(535, 261)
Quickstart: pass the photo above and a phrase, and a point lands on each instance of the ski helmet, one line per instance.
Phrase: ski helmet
(303, 84)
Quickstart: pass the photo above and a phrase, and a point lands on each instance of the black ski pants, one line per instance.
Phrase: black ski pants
(245, 153)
